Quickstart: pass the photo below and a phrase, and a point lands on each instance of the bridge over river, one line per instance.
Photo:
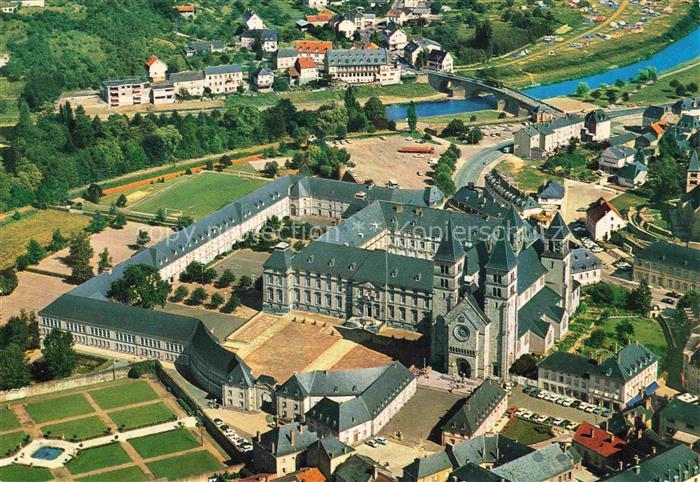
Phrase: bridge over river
(509, 100)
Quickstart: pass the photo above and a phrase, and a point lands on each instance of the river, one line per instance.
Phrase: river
(679, 52)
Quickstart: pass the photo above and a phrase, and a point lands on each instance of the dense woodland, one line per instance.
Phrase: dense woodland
(67, 149)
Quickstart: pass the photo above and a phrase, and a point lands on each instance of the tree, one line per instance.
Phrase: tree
(35, 252)
(455, 128)
(141, 285)
(692, 87)
(582, 89)
(21, 330)
(619, 83)
(8, 281)
(640, 298)
(59, 356)
(160, 216)
(226, 278)
(180, 293)
(271, 169)
(142, 238)
(596, 94)
(411, 116)
(199, 273)
(93, 193)
(216, 300)
(624, 330)
(596, 338)
(232, 304)
(524, 365)
(184, 221)
(376, 113)
(105, 261)
(483, 36)
(14, 371)
(119, 221)
(79, 257)
(58, 242)
(245, 282)
(198, 296)
(680, 90)
(474, 136)
(121, 201)
(97, 223)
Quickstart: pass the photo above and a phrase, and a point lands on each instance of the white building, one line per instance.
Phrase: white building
(440, 60)
(129, 91)
(189, 82)
(362, 67)
(157, 69)
(253, 21)
(603, 219)
(267, 38)
(162, 93)
(616, 157)
(223, 79)
(586, 268)
(264, 78)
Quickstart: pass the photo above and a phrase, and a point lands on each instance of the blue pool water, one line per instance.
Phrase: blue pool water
(677, 53)
(47, 453)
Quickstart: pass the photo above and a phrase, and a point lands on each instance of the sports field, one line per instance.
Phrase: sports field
(197, 195)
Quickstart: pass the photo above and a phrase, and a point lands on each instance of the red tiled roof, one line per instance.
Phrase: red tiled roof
(306, 63)
(598, 440)
(658, 127)
(320, 17)
(152, 60)
(313, 46)
(600, 209)
(185, 8)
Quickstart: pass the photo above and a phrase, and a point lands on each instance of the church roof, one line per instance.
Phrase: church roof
(694, 165)
(502, 256)
(475, 409)
(449, 249)
(557, 229)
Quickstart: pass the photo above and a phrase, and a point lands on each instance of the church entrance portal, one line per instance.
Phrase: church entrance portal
(464, 369)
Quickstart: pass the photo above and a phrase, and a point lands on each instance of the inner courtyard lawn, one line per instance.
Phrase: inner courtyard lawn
(8, 421)
(9, 442)
(179, 467)
(142, 416)
(24, 473)
(81, 429)
(98, 458)
(164, 443)
(123, 394)
(129, 474)
(527, 432)
(57, 408)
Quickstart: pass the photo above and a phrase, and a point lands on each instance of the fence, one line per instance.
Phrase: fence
(107, 375)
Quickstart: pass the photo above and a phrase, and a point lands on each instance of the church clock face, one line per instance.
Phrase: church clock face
(461, 332)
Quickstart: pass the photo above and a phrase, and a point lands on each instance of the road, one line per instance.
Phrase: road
(473, 166)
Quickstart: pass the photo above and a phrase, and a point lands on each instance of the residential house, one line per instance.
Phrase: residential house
(603, 219)
(440, 60)
(687, 105)
(282, 450)
(362, 66)
(201, 47)
(597, 126)
(346, 27)
(321, 19)
(187, 11)
(362, 20)
(435, 467)
(398, 16)
(129, 91)
(691, 362)
(189, 82)
(550, 463)
(252, 21)
(223, 79)
(476, 201)
(632, 175)
(267, 38)
(285, 58)
(477, 414)
(304, 71)
(414, 48)
(162, 93)
(264, 78)
(586, 268)
(360, 468)
(625, 139)
(677, 463)
(327, 454)
(600, 450)
(537, 141)
(616, 157)
(653, 114)
(157, 69)
(311, 474)
(316, 49)
(504, 192)
(318, 4)
(667, 265)
(622, 379)
(393, 38)
(551, 196)
(679, 420)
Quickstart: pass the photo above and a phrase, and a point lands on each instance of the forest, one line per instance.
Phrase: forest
(67, 149)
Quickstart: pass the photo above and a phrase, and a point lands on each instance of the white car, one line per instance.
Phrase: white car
(590, 409)
(371, 443)
(246, 448)
(218, 422)
(539, 418)
(568, 402)
(527, 415)
(542, 394)
(558, 421)
(519, 412)
(380, 440)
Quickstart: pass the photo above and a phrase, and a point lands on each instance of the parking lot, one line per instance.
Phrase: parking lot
(551, 409)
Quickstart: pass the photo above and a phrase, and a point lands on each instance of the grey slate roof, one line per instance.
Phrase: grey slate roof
(557, 229)
(488, 449)
(429, 465)
(626, 363)
(287, 53)
(689, 413)
(280, 259)
(205, 46)
(671, 255)
(187, 76)
(126, 81)
(502, 257)
(358, 468)
(349, 58)
(333, 447)
(530, 268)
(546, 463)
(471, 472)
(223, 69)
(468, 198)
(564, 362)
(449, 248)
(694, 165)
(583, 259)
(623, 138)
(631, 171)
(265, 34)
(280, 438)
(475, 409)
(551, 190)
(531, 314)
(676, 463)
(619, 152)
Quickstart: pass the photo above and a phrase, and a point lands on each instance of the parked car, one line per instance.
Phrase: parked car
(371, 443)
(223, 428)
(527, 389)
(558, 422)
(218, 422)
(669, 301)
(380, 440)
(519, 412)
(534, 392)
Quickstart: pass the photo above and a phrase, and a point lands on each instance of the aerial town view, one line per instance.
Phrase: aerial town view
(350, 240)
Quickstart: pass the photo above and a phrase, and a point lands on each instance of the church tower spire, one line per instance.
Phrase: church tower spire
(692, 177)
(557, 260)
(447, 272)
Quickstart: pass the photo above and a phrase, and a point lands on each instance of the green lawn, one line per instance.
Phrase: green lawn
(81, 429)
(124, 394)
(527, 432)
(129, 474)
(98, 458)
(528, 178)
(628, 200)
(8, 421)
(164, 443)
(9, 442)
(24, 473)
(186, 465)
(466, 117)
(661, 91)
(57, 408)
(142, 416)
(198, 196)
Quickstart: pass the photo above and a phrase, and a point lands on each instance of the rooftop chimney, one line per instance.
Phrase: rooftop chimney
(257, 436)
(291, 437)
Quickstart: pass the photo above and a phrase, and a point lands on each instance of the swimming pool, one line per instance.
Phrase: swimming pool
(47, 453)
